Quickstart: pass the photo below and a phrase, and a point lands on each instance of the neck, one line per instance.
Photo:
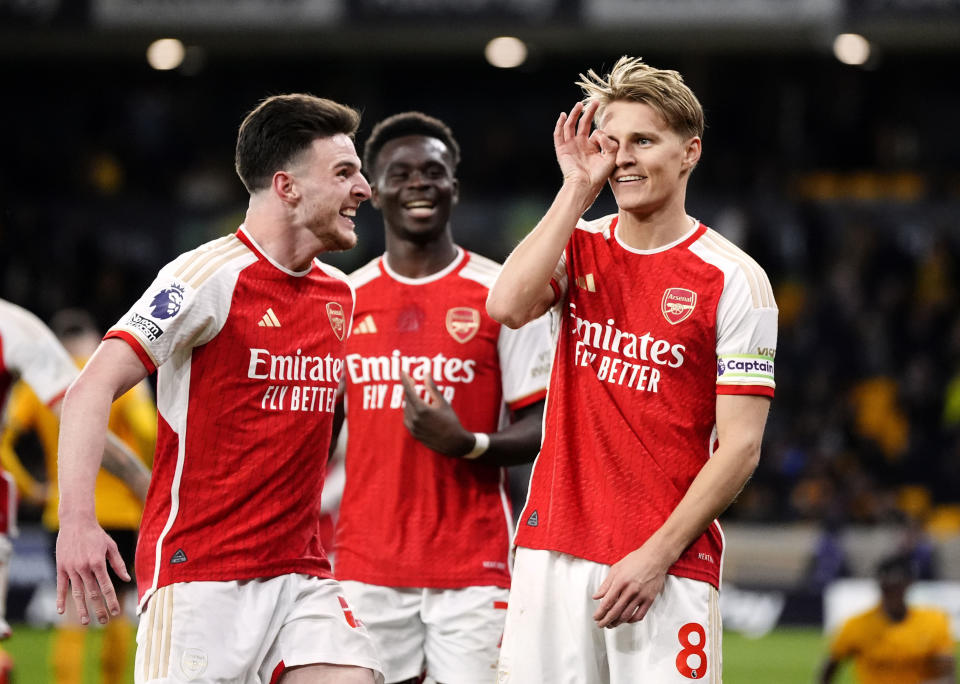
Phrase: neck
(895, 611)
(413, 259)
(291, 247)
(652, 231)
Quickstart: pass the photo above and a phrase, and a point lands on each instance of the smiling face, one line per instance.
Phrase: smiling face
(653, 160)
(414, 186)
(331, 187)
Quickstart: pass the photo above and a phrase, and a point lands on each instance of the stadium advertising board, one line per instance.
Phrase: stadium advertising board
(716, 13)
(215, 13)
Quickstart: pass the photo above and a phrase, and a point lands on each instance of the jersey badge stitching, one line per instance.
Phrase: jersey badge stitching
(462, 323)
(677, 304)
(338, 320)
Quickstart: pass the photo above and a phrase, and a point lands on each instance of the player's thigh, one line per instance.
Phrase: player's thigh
(202, 632)
(321, 628)
(679, 640)
(464, 629)
(550, 636)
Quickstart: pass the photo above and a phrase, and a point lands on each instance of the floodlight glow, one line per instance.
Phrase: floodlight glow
(851, 48)
(506, 52)
(165, 54)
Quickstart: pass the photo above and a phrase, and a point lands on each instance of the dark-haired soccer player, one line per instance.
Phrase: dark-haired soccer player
(248, 334)
(658, 399)
(895, 643)
(424, 528)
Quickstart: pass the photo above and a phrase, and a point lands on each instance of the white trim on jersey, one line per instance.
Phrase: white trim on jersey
(446, 270)
(277, 265)
(662, 248)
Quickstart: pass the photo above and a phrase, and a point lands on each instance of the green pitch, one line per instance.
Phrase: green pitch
(785, 656)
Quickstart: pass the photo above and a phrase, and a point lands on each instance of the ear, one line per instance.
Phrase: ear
(374, 194)
(455, 195)
(691, 152)
(285, 187)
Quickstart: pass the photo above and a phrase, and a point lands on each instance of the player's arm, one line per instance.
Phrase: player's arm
(437, 426)
(634, 582)
(82, 545)
(20, 414)
(118, 459)
(522, 291)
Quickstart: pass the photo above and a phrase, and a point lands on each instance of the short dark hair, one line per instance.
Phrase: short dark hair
(404, 124)
(67, 323)
(899, 564)
(282, 127)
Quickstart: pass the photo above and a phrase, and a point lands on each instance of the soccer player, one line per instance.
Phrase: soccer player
(133, 418)
(424, 527)
(658, 399)
(30, 351)
(894, 643)
(248, 334)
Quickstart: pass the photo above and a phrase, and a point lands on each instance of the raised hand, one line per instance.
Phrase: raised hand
(585, 158)
(434, 424)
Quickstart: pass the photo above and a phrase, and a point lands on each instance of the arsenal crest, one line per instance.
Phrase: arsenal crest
(338, 321)
(677, 304)
(463, 323)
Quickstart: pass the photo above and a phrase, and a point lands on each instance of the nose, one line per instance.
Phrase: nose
(362, 189)
(625, 156)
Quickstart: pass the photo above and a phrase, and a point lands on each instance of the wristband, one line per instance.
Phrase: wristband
(481, 445)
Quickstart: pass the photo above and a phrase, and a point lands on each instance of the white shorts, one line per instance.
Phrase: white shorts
(245, 632)
(551, 638)
(451, 634)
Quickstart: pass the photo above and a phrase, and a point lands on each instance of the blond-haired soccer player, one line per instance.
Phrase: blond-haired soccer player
(893, 643)
(661, 384)
(248, 334)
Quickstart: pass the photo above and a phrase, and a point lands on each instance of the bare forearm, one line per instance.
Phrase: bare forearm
(711, 492)
(83, 428)
(518, 442)
(517, 296)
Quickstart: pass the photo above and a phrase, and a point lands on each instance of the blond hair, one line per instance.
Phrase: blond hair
(663, 89)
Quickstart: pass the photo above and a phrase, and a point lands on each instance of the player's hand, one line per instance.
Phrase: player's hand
(630, 588)
(434, 423)
(81, 566)
(585, 158)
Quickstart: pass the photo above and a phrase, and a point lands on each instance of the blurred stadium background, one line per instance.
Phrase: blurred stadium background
(831, 155)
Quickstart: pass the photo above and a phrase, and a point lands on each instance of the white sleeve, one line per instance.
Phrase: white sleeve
(33, 352)
(746, 334)
(172, 314)
(525, 358)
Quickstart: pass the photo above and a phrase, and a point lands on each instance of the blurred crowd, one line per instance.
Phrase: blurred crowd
(865, 427)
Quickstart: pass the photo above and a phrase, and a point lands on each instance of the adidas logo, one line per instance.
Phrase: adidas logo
(533, 520)
(269, 320)
(365, 326)
(587, 283)
(178, 557)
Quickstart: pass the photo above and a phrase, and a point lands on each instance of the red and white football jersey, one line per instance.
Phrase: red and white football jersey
(250, 356)
(412, 517)
(647, 340)
(28, 350)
